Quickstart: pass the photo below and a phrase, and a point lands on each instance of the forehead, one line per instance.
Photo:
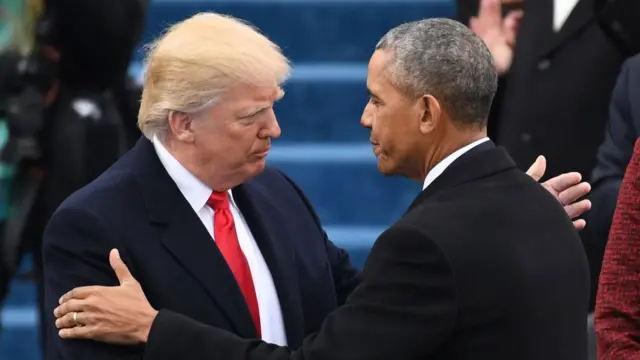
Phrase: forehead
(379, 61)
(248, 94)
(377, 77)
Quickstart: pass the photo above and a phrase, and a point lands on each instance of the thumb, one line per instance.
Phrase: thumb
(537, 169)
(121, 270)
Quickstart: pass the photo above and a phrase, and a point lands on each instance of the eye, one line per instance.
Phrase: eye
(249, 119)
(252, 115)
(374, 101)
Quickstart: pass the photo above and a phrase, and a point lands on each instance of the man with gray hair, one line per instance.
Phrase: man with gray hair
(483, 265)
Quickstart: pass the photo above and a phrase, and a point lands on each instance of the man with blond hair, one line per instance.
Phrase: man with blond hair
(207, 230)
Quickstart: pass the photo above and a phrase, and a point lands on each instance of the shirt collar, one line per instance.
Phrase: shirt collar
(194, 191)
(447, 161)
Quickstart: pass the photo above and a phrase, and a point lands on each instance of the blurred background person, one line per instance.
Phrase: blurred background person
(68, 105)
(559, 60)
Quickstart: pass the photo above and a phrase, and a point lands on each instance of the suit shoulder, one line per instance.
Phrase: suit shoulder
(632, 63)
(270, 175)
(113, 187)
(406, 235)
(629, 77)
(276, 181)
(511, 196)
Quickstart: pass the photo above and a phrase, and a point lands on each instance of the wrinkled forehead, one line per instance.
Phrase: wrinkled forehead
(244, 95)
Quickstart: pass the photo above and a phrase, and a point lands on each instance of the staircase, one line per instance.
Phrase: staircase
(323, 148)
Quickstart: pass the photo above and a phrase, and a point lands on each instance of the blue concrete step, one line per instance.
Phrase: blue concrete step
(309, 30)
(322, 102)
(343, 183)
(20, 344)
(21, 293)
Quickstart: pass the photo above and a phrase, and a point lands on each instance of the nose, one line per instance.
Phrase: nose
(272, 130)
(367, 117)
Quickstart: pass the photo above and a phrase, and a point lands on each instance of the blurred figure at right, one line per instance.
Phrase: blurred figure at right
(558, 61)
(617, 319)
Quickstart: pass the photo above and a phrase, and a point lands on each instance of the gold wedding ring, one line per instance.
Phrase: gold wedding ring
(75, 318)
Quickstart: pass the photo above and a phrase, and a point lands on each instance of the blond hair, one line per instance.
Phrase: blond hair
(196, 60)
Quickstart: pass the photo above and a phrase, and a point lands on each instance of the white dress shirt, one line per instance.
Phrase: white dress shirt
(561, 11)
(444, 164)
(197, 193)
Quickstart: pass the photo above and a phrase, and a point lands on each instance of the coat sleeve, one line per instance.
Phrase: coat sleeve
(76, 247)
(617, 318)
(405, 307)
(345, 276)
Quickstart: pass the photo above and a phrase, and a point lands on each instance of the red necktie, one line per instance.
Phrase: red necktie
(227, 241)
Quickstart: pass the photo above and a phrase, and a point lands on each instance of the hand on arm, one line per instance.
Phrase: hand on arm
(567, 188)
(75, 254)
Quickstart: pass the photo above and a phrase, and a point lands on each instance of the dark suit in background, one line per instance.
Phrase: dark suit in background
(485, 264)
(558, 89)
(136, 207)
(613, 158)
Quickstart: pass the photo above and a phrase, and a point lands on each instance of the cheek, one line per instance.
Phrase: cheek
(383, 129)
(245, 140)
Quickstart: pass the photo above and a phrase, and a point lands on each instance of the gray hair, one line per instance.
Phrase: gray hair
(444, 58)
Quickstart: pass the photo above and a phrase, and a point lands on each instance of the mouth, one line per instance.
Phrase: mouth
(262, 154)
(376, 148)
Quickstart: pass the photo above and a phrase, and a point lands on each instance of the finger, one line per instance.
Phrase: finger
(510, 26)
(574, 193)
(67, 321)
(78, 293)
(490, 12)
(579, 224)
(122, 272)
(564, 181)
(577, 209)
(537, 169)
(69, 307)
(78, 332)
(473, 23)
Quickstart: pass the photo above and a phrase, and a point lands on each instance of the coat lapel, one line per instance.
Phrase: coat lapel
(187, 239)
(581, 17)
(265, 223)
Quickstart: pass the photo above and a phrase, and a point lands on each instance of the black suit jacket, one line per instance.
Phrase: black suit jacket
(485, 264)
(558, 89)
(136, 207)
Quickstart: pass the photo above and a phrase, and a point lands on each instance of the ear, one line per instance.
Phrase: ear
(431, 113)
(181, 126)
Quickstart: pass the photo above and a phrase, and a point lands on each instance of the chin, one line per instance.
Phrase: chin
(385, 169)
(258, 167)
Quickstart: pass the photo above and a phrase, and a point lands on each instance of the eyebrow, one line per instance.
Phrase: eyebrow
(371, 93)
(250, 111)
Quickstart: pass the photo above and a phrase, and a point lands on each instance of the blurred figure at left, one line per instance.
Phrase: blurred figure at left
(67, 110)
